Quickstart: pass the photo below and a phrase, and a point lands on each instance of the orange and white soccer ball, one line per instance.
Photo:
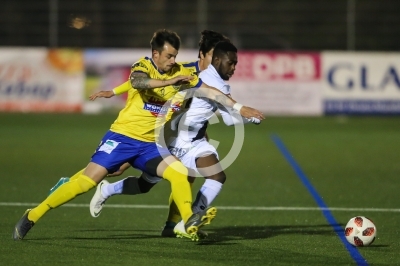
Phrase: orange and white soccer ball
(360, 231)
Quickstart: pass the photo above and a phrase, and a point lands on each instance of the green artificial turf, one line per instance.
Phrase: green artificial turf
(352, 162)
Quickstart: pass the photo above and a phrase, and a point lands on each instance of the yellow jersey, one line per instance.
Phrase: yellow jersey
(179, 101)
(138, 119)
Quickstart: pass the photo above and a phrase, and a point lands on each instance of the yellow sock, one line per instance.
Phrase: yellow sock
(174, 214)
(75, 176)
(176, 174)
(62, 195)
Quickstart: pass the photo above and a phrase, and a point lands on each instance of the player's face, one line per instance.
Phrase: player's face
(166, 59)
(207, 58)
(227, 65)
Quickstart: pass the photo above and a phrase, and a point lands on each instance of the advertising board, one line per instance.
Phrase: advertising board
(279, 83)
(361, 83)
(41, 80)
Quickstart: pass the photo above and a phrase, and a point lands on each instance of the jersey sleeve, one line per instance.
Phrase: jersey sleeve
(196, 81)
(124, 87)
(141, 66)
(193, 66)
(231, 117)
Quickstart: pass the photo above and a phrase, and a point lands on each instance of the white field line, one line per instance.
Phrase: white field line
(237, 208)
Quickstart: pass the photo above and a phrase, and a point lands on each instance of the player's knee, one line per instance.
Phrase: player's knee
(176, 171)
(220, 177)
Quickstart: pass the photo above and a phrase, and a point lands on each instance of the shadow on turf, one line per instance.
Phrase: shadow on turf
(223, 234)
(219, 235)
(122, 234)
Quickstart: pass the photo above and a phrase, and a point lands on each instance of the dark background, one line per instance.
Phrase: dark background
(252, 24)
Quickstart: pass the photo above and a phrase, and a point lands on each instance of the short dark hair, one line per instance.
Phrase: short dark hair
(160, 37)
(209, 39)
(223, 48)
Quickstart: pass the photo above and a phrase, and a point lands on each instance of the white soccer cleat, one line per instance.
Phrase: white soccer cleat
(98, 201)
(180, 231)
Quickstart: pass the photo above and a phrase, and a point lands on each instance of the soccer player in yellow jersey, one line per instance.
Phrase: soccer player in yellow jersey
(157, 79)
(189, 145)
(144, 183)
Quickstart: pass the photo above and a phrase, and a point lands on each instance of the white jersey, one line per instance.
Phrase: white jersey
(193, 124)
(185, 136)
(190, 126)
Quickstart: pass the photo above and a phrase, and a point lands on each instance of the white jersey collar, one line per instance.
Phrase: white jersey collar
(213, 71)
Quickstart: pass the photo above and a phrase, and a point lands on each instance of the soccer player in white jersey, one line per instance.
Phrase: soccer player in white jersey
(190, 144)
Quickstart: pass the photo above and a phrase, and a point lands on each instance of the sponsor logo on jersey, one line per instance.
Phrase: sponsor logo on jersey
(156, 107)
(160, 108)
(176, 106)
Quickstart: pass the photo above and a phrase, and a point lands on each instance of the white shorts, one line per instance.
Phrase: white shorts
(187, 153)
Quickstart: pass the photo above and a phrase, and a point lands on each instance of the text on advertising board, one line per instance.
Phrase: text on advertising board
(278, 66)
(351, 76)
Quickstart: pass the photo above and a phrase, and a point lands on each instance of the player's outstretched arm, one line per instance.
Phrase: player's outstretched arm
(216, 95)
(141, 81)
(101, 94)
(232, 117)
(124, 87)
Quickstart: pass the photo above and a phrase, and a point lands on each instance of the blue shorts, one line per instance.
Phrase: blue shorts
(115, 149)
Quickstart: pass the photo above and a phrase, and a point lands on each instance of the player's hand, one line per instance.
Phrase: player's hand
(116, 173)
(101, 94)
(120, 170)
(249, 112)
(179, 80)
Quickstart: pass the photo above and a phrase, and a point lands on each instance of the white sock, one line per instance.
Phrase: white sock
(206, 195)
(112, 189)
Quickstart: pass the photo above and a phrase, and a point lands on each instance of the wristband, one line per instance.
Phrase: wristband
(237, 106)
(255, 120)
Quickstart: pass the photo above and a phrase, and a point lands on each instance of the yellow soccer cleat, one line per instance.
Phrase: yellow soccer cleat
(198, 220)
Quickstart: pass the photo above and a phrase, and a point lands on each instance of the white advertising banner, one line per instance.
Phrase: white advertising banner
(276, 83)
(279, 83)
(361, 83)
(41, 80)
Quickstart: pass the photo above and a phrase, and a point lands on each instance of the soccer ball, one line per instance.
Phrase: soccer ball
(360, 231)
